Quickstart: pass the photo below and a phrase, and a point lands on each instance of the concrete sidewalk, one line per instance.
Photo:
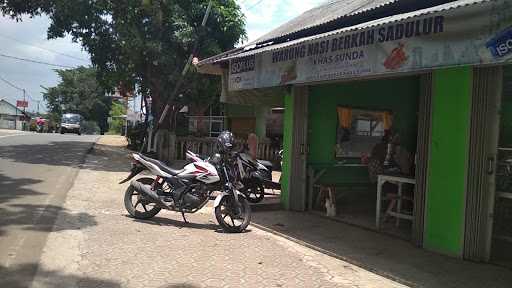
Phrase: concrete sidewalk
(105, 248)
(390, 257)
(11, 132)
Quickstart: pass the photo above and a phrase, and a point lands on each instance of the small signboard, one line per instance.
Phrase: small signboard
(22, 103)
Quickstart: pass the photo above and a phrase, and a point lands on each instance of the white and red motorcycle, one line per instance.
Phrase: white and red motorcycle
(187, 190)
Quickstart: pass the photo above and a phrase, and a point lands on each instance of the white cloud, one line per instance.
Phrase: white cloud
(265, 15)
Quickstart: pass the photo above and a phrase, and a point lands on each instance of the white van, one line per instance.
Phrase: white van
(70, 123)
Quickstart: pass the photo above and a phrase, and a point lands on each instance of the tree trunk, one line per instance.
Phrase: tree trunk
(166, 146)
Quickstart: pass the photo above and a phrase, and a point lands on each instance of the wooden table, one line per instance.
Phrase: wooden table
(315, 172)
(399, 180)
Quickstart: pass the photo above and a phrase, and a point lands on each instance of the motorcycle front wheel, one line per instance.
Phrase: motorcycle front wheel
(137, 205)
(231, 218)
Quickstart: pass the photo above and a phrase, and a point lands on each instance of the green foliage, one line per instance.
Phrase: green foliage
(78, 92)
(90, 127)
(117, 122)
(135, 136)
(144, 43)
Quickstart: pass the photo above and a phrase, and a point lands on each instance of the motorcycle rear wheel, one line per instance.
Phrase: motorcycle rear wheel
(142, 202)
(236, 223)
(255, 192)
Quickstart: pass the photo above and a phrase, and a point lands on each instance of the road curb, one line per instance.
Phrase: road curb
(91, 147)
(334, 255)
(88, 152)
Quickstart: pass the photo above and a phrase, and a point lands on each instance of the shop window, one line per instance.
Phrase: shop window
(359, 130)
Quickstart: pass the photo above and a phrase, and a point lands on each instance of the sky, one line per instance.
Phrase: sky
(261, 17)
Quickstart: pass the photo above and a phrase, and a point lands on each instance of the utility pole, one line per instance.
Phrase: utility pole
(16, 119)
(24, 111)
(185, 69)
(126, 119)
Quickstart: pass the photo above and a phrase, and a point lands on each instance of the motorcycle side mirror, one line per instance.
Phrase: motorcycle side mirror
(215, 159)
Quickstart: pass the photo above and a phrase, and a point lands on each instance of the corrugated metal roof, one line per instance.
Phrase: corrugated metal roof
(383, 21)
(11, 105)
(322, 14)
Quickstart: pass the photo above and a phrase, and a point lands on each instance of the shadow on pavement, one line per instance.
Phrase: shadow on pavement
(56, 153)
(20, 276)
(160, 221)
(66, 153)
(11, 188)
(33, 217)
(180, 285)
(112, 159)
(42, 218)
(389, 257)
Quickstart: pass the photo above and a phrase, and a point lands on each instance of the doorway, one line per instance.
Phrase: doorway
(488, 227)
(360, 132)
(501, 241)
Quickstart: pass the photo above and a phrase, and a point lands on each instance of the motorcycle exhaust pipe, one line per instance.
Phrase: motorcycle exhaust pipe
(147, 192)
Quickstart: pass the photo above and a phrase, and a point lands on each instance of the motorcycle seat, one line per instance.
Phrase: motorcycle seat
(265, 163)
(162, 166)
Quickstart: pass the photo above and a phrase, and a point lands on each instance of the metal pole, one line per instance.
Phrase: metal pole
(185, 69)
(126, 120)
(16, 118)
(24, 109)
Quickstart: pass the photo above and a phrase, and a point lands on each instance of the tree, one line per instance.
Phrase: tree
(117, 123)
(78, 92)
(144, 43)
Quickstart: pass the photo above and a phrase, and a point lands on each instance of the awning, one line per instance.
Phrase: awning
(464, 32)
(371, 24)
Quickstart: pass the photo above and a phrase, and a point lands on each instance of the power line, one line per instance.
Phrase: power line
(10, 97)
(10, 83)
(254, 5)
(35, 61)
(45, 49)
(18, 88)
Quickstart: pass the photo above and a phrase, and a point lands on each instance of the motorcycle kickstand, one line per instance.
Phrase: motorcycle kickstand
(183, 215)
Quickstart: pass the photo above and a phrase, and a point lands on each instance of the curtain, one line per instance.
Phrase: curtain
(387, 120)
(345, 117)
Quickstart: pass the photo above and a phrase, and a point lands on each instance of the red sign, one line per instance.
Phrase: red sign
(21, 103)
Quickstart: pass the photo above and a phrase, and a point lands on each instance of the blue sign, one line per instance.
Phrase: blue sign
(501, 44)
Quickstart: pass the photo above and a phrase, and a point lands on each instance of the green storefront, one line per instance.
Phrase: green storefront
(432, 83)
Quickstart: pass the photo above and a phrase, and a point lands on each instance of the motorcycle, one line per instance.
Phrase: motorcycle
(254, 176)
(187, 190)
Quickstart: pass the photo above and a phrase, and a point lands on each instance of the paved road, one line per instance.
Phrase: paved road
(36, 172)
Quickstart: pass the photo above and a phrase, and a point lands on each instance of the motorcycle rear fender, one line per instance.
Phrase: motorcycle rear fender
(136, 169)
(258, 175)
(220, 196)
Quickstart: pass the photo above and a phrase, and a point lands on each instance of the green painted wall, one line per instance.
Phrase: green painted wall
(451, 108)
(399, 95)
(287, 146)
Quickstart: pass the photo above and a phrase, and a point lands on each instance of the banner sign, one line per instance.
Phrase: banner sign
(474, 34)
(22, 103)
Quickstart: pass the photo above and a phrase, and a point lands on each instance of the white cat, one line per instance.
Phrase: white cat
(330, 207)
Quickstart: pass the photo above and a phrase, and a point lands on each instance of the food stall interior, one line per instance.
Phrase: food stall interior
(373, 135)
